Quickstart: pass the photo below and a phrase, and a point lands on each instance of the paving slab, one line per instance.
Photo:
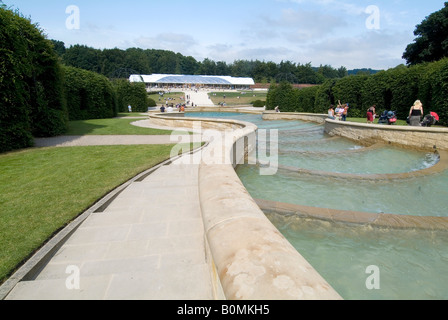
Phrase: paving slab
(149, 244)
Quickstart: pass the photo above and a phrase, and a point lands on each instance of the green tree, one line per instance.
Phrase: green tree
(348, 90)
(31, 93)
(431, 43)
(133, 94)
(324, 96)
(90, 95)
(81, 56)
(305, 99)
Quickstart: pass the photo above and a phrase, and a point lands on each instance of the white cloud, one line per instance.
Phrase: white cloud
(230, 53)
(175, 42)
(377, 50)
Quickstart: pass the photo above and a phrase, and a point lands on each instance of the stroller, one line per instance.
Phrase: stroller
(388, 117)
(430, 120)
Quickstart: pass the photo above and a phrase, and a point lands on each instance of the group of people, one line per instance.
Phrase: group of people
(340, 113)
(170, 109)
(415, 114)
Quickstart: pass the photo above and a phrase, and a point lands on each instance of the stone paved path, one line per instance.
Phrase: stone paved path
(149, 244)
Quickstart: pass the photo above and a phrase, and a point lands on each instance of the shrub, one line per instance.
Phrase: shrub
(282, 96)
(433, 89)
(348, 90)
(306, 99)
(31, 93)
(133, 94)
(89, 95)
(258, 104)
(324, 97)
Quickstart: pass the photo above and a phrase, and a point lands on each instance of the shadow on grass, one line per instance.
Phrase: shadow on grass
(82, 128)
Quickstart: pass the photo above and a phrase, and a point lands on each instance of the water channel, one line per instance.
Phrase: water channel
(411, 263)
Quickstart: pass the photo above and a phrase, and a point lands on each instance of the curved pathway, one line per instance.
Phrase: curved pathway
(146, 242)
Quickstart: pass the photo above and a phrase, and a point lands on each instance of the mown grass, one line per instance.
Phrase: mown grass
(237, 98)
(115, 126)
(364, 120)
(42, 190)
(172, 97)
(399, 122)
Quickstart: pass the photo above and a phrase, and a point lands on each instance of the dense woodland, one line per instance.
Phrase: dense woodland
(44, 85)
(117, 63)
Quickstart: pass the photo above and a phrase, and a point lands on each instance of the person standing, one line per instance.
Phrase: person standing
(415, 114)
(371, 112)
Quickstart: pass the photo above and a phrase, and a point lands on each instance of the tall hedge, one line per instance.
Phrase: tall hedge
(305, 99)
(324, 97)
(31, 96)
(395, 89)
(281, 96)
(433, 89)
(133, 94)
(89, 95)
(349, 90)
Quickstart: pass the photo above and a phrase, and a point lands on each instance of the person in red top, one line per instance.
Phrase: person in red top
(371, 114)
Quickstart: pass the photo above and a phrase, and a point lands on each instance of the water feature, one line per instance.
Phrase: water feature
(412, 262)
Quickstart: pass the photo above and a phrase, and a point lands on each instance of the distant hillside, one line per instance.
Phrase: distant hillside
(362, 71)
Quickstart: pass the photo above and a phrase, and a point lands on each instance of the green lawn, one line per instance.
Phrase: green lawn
(42, 190)
(175, 98)
(399, 122)
(364, 120)
(237, 98)
(114, 126)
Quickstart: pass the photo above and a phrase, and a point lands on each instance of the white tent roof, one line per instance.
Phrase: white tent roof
(190, 79)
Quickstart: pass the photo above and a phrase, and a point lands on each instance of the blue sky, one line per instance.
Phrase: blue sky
(333, 32)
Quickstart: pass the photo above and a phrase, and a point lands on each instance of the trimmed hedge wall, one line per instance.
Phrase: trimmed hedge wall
(133, 94)
(89, 95)
(31, 96)
(395, 89)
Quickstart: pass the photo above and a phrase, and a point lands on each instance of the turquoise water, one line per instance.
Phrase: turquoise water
(386, 160)
(424, 196)
(412, 264)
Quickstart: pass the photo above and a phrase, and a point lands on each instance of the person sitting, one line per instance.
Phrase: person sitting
(345, 112)
(415, 114)
(331, 113)
(339, 110)
(371, 114)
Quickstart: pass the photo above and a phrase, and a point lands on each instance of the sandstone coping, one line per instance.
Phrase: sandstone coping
(253, 260)
(412, 137)
(441, 166)
(311, 117)
(382, 220)
(367, 134)
(227, 109)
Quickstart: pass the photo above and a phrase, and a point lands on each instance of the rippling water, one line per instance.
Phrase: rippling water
(412, 264)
